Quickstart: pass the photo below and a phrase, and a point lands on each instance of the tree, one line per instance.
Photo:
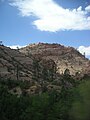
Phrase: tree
(67, 72)
(17, 72)
(81, 106)
(52, 69)
(36, 70)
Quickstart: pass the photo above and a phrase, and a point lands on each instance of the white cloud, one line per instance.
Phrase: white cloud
(52, 17)
(15, 46)
(86, 50)
(87, 8)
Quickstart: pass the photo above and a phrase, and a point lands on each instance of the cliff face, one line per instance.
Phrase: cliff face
(41, 66)
(64, 57)
(12, 63)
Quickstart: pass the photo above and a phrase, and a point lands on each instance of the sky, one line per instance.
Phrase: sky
(66, 22)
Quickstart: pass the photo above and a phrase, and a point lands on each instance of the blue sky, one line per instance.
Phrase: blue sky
(65, 22)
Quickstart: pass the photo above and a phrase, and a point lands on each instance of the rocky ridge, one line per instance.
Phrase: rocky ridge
(42, 66)
(64, 57)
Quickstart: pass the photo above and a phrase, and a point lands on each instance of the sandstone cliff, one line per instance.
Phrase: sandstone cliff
(64, 57)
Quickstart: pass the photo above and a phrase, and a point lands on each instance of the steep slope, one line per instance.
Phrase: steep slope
(14, 64)
(64, 57)
(40, 66)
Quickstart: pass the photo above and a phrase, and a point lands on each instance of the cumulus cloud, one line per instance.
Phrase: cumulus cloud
(86, 50)
(16, 46)
(52, 17)
(87, 8)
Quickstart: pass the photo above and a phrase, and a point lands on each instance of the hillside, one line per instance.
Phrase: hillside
(42, 67)
(64, 57)
(12, 63)
(35, 83)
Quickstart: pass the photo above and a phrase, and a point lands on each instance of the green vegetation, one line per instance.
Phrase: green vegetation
(39, 91)
(81, 106)
(70, 103)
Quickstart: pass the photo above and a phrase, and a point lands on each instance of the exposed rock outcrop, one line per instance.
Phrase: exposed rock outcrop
(64, 57)
(14, 64)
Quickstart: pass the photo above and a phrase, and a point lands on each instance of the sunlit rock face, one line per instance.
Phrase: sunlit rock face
(64, 57)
